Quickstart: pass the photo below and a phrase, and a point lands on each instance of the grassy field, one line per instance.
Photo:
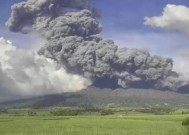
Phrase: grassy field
(117, 124)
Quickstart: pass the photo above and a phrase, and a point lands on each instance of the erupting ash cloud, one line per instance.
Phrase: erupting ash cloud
(71, 28)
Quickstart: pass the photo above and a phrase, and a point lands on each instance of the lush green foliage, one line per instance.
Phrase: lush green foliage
(132, 125)
(66, 112)
(157, 109)
(42, 122)
(32, 113)
(104, 112)
(3, 110)
(81, 111)
(185, 122)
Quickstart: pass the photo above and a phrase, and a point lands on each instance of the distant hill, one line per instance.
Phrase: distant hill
(93, 96)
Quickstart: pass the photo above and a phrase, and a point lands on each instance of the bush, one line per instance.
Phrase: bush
(185, 112)
(90, 109)
(32, 113)
(66, 112)
(185, 122)
(157, 110)
(3, 110)
(106, 112)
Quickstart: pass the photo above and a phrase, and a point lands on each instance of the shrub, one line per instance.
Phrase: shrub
(32, 113)
(90, 109)
(106, 112)
(66, 112)
(3, 110)
(157, 110)
(185, 122)
(185, 112)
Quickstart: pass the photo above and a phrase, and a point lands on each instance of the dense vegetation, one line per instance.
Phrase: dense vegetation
(94, 121)
(185, 123)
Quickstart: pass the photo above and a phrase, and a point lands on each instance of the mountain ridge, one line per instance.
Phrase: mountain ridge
(93, 96)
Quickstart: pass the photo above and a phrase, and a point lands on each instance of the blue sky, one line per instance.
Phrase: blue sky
(123, 22)
(129, 14)
(125, 15)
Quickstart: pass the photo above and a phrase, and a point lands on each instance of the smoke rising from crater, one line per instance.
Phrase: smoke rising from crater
(71, 28)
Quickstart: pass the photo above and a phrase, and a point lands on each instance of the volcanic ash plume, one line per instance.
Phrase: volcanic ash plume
(71, 28)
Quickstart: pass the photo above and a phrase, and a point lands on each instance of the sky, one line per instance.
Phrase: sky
(123, 22)
(159, 26)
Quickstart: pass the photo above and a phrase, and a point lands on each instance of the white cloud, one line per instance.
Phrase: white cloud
(174, 17)
(24, 73)
(181, 66)
(181, 61)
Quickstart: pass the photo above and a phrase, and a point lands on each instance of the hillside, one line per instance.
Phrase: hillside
(93, 96)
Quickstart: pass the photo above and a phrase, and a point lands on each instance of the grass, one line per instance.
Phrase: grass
(93, 125)
(125, 121)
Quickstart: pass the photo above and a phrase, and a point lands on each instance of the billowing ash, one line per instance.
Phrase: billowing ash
(71, 28)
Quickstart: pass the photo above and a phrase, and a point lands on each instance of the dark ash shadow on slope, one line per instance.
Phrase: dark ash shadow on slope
(184, 90)
(112, 83)
(106, 82)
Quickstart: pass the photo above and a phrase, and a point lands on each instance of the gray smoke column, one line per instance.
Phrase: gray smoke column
(71, 28)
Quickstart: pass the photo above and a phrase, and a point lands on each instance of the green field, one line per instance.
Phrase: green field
(117, 124)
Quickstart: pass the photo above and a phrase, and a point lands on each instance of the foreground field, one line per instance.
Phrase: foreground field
(93, 125)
